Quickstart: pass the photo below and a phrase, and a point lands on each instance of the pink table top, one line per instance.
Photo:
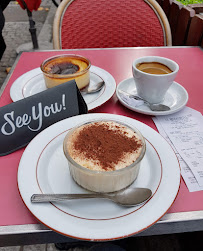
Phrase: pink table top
(118, 63)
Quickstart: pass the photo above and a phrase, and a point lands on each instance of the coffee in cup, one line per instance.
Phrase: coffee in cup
(154, 68)
(153, 76)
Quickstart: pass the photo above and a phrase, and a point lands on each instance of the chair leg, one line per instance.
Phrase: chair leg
(32, 30)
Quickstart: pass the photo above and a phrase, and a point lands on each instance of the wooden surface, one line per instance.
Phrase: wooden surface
(195, 30)
(185, 15)
(185, 22)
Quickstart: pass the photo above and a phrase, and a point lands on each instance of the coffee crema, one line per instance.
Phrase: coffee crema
(154, 68)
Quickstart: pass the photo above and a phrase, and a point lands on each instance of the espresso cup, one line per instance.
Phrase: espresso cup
(152, 86)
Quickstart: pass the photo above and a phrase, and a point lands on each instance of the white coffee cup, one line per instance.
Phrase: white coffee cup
(153, 87)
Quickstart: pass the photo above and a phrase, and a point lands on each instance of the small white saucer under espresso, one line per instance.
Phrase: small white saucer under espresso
(176, 98)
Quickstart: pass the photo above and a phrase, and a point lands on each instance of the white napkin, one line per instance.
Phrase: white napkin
(131, 101)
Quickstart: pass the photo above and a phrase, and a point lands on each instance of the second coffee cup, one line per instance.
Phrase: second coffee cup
(153, 76)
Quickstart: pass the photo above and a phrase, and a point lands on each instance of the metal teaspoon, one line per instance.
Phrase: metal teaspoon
(153, 107)
(93, 88)
(126, 197)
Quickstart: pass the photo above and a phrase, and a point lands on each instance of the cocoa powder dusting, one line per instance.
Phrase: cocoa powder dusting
(105, 145)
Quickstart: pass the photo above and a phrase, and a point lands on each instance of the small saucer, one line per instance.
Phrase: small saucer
(176, 98)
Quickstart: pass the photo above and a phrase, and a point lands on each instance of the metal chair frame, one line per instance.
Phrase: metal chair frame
(57, 43)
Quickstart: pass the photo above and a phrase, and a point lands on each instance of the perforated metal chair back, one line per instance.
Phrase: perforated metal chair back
(110, 23)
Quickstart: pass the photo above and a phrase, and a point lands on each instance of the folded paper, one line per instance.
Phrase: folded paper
(131, 101)
(21, 121)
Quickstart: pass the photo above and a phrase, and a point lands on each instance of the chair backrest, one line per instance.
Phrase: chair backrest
(110, 23)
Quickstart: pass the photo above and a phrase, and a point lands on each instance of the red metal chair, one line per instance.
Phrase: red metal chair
(110, 23)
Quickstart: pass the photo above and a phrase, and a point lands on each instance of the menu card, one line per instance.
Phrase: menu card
(183, 131)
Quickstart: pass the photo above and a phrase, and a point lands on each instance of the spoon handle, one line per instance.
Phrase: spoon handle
(132, 95)
(35, 198)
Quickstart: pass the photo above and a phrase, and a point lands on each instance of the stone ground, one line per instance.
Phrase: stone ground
(17, 37)
(16, 32)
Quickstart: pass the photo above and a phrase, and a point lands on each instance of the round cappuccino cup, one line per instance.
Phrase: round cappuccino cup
(153, 85)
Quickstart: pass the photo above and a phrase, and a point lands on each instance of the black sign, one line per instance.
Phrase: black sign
(21, 121)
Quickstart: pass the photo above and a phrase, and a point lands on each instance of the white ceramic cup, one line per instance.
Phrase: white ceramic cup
(153, 87)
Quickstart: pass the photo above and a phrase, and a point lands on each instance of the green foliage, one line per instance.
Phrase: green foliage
(185, 2)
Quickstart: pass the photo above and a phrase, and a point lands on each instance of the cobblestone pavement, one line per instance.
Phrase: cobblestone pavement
(16, 31)
(40, 247)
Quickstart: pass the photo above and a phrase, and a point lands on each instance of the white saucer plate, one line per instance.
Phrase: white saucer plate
(44, 169)
(32, 82)
(176, 98)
